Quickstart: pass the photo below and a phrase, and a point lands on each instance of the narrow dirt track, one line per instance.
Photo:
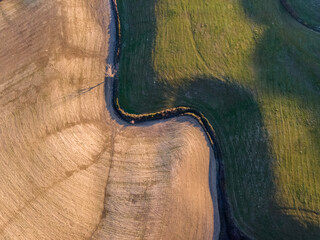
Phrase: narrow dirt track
(69, 168)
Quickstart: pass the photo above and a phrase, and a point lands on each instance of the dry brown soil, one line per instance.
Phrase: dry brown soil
(69, 168)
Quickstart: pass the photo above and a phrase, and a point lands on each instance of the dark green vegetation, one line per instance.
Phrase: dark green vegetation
(255, 74)
(308, 10)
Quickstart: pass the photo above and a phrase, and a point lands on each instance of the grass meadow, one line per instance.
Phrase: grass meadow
(254, 72)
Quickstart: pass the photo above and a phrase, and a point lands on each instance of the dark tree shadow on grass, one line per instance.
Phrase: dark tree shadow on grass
(245, 160)
(287, 60)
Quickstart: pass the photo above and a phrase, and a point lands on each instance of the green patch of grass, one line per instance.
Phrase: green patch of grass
(254, 72)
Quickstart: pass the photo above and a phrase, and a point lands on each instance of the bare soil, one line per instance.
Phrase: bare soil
(69, 168)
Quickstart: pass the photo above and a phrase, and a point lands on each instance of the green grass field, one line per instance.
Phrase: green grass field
(308, 10)
(255, 74)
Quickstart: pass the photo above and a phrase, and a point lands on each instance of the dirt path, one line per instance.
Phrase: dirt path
(69, 167)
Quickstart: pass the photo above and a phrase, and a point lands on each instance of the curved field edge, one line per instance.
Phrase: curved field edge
(72, 168)
(228, 230)
(272, 174)
(287, 5)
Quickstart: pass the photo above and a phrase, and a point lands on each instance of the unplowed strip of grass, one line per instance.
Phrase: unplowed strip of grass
(254, 72)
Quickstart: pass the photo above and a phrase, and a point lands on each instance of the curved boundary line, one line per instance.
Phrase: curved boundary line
(293, 13)
(228, 228)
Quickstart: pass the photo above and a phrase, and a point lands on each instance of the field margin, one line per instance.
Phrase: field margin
(228, 226)
(294, 14)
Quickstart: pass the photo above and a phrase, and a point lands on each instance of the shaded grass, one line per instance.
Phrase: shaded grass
(308, 10)
(254, 72)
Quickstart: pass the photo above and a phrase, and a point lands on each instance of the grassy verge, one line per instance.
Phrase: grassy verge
(254, 72)
(308, 10)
